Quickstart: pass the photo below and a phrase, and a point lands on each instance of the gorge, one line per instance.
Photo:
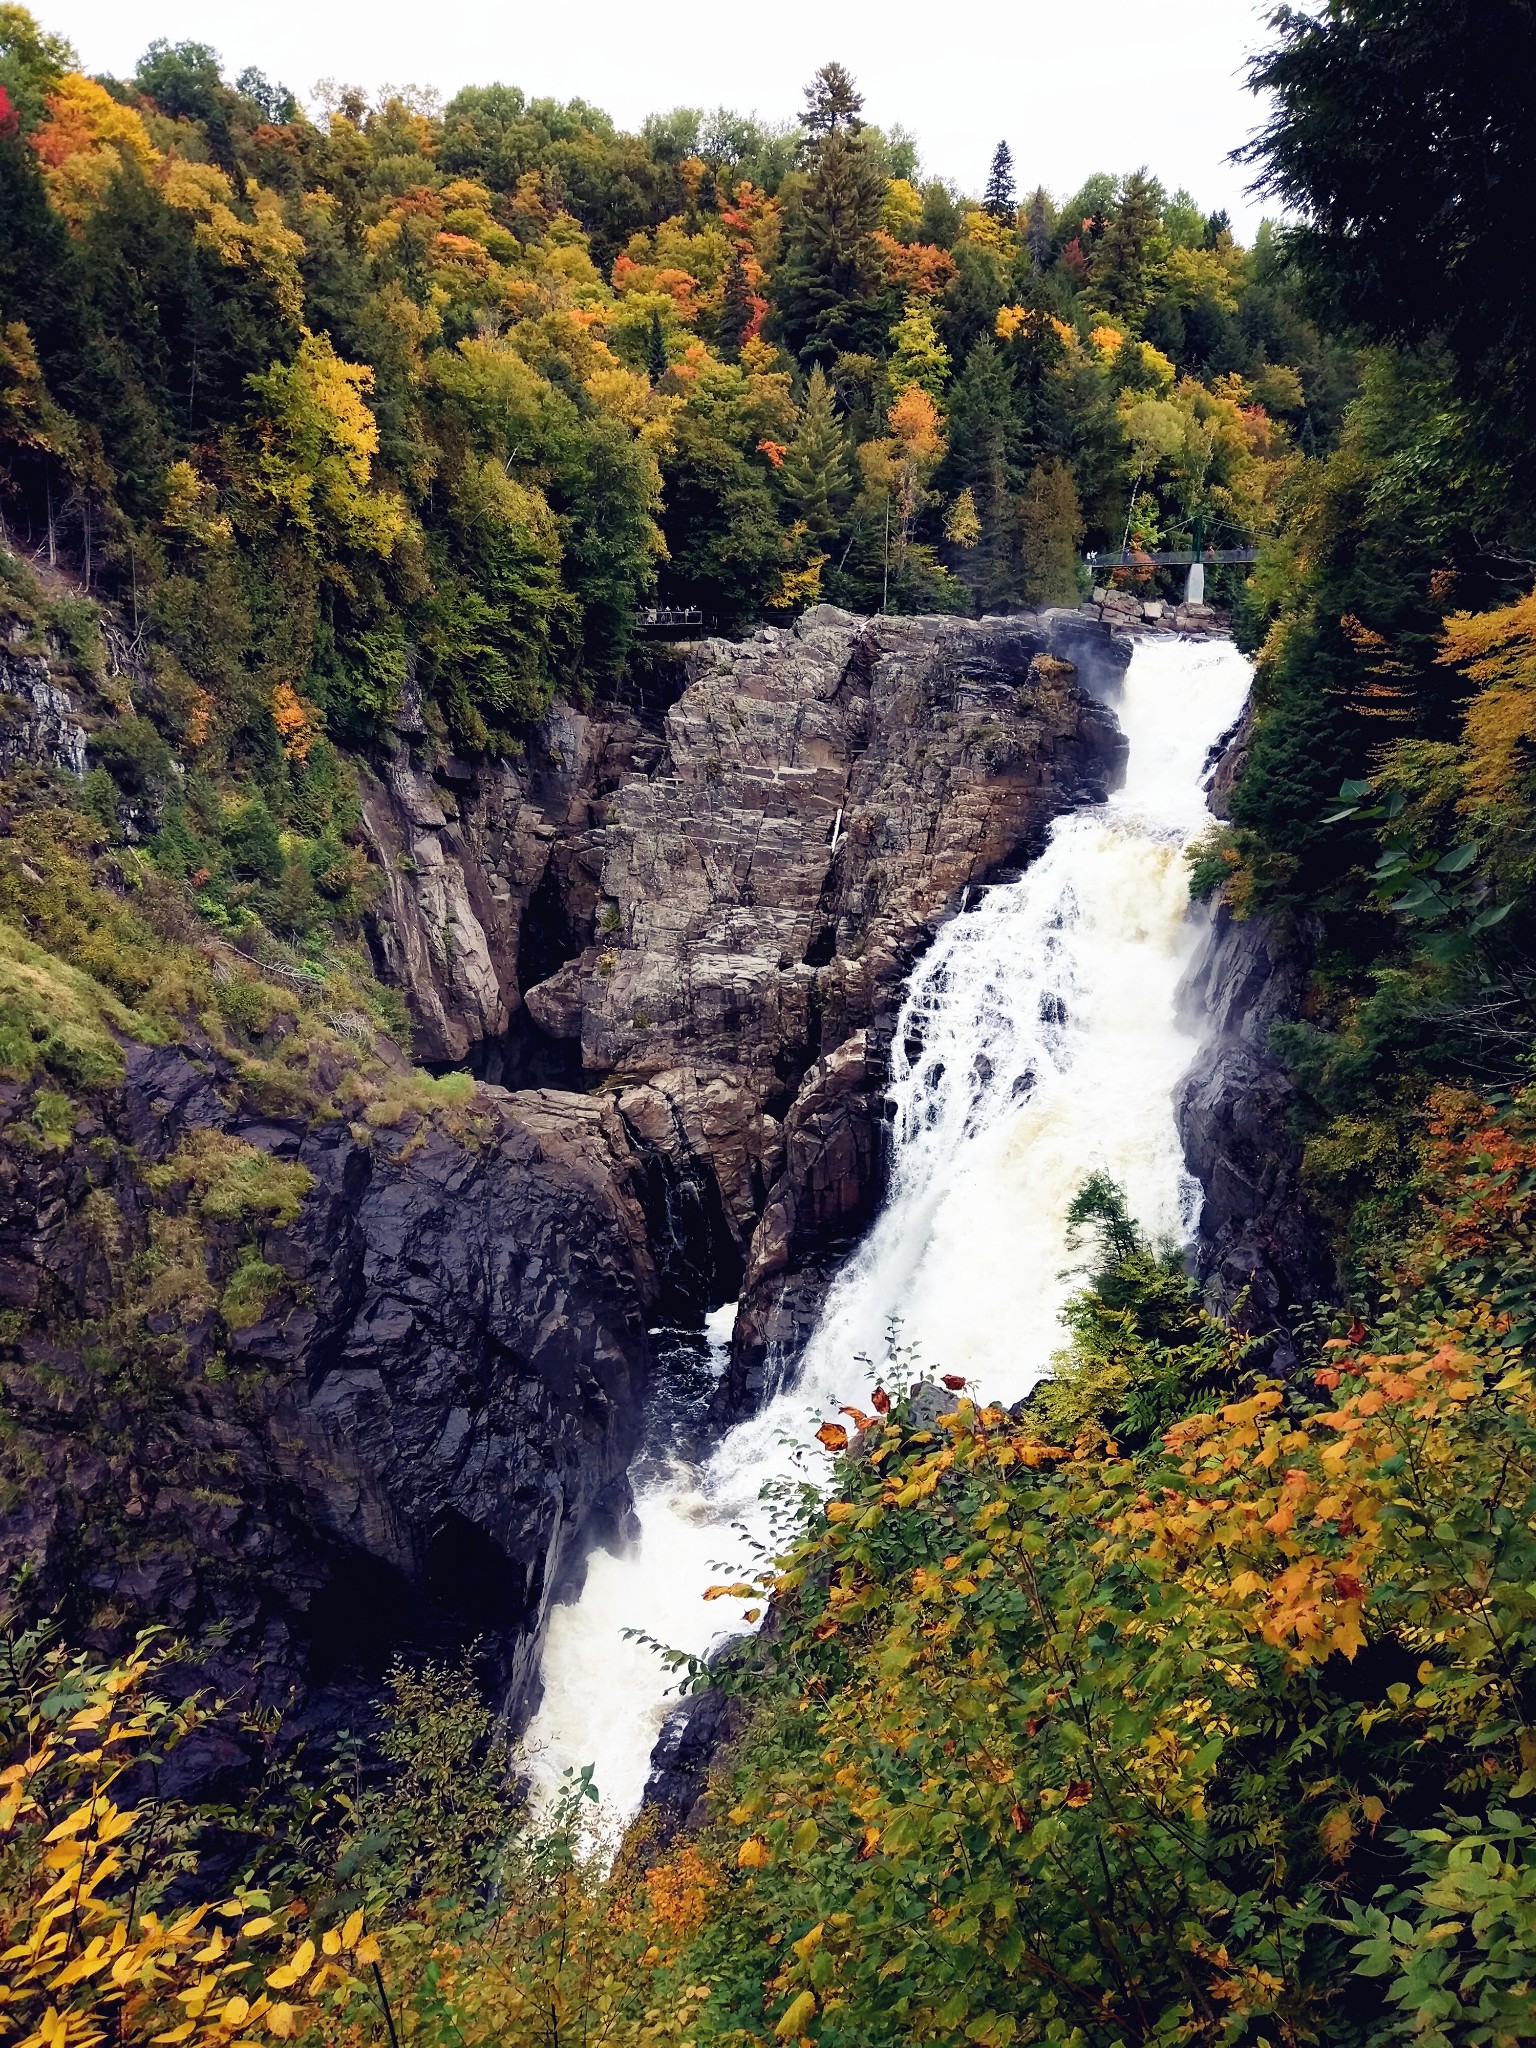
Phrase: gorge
(700, 921)
(669, 1018)
(1040, 1040)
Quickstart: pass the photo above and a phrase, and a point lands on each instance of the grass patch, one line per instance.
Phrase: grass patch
(233, 1181)
(250, 1291)
(57, 1017)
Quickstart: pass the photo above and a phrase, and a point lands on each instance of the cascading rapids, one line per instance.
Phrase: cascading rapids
(1038, 1044)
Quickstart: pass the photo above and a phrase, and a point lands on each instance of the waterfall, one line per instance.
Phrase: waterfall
(1038, 1043)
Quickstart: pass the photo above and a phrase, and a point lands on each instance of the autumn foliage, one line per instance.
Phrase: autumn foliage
(1228, 1740)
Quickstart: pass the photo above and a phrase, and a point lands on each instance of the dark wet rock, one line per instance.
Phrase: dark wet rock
(415, 1445)
(692, 1737)
(1259, 1250)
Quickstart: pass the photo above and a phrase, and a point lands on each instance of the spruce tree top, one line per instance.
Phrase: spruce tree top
(999, 199)
(832, 101)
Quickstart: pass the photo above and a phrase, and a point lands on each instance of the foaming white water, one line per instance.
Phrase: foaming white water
(1037, 1044)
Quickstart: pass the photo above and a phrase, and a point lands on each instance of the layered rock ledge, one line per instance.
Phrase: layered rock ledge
(711, 915)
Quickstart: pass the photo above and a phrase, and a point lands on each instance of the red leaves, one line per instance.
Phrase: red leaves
(954, 1381)
(1079, 1792)
(880, 1401)
(1347, 1586)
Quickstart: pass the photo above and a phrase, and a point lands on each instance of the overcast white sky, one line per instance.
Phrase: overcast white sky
(1074, 85)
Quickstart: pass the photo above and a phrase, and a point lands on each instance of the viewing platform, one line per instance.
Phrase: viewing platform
(1193, 559)
(1168, 558)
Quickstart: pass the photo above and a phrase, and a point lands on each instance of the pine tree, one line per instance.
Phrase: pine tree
(1038, 234)
(829, 289)
(656, 348)
(1123, 260)
(999, 199)
(815, 472)
(736, 307)
(983, 429)
(833, 103)
(1050, 533)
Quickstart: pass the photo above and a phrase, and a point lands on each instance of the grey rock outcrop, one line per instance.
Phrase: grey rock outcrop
(713, 914)
(464, 850)
(1139, 616)
(39, 722)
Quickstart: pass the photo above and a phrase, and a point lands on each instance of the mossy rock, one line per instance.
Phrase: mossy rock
(57, 1017)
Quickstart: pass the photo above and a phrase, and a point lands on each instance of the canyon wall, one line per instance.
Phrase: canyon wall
(1264, 1258)
(670, 941)
(710, 915)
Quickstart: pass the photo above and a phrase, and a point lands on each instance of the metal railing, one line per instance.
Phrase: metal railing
(1168, 558)
(673, 616)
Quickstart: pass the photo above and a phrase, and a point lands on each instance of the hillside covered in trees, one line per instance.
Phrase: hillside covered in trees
(1180, 1704)
(479, 381)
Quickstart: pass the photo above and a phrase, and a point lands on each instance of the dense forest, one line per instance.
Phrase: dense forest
(1183, 1704)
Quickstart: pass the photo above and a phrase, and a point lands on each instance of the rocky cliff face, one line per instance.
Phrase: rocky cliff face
(413, 1440)
(399, 1410)
(710, 916)
(1258, 1245)
(39, 722)
(1259, 1250)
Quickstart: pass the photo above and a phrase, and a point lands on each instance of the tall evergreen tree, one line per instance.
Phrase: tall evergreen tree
(656, 348)
(1038, 233)
(829, 288)
(833, 104)
(1050, 533)
(1122, 261)
(736, 306)
(999, 198)
(816, 473)
(983, 429)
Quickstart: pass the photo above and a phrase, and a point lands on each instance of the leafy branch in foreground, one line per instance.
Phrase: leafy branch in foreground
(96, 1945)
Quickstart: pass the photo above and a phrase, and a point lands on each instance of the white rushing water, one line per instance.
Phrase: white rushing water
(1038, 1044)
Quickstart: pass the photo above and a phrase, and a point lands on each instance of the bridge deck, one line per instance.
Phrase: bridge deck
(1176, 558)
